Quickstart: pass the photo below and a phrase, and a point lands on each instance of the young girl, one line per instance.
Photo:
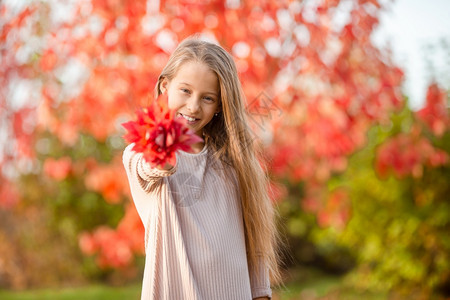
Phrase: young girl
(209, 228)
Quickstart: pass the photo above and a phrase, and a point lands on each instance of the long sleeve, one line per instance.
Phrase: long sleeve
(260, 280)
(143, 180)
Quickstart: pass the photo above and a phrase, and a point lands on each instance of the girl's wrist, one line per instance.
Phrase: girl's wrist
(166, 167)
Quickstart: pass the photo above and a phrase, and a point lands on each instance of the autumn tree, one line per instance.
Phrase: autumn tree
(72, 72)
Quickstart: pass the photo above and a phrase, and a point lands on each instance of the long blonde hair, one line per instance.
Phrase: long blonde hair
(229, 136)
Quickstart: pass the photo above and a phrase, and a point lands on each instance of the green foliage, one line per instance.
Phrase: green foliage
(398, 231)
(57, 211)
(306, 242)
(399, 227)
(74, 208)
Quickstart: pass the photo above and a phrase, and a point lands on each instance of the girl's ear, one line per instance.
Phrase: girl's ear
(163, 86)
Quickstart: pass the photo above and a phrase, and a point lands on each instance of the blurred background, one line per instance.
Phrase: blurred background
(349, 97)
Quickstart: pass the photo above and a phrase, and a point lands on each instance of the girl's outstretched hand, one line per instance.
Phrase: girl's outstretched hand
(158, 133)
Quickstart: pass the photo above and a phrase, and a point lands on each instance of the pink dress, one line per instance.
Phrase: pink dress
(194, 236)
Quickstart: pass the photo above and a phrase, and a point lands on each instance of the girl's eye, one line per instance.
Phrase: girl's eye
(185, 91)
(209, 99)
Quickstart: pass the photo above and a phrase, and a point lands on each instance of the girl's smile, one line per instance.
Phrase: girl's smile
(190, 120)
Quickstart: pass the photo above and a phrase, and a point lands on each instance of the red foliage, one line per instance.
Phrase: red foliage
(342, 85)
(15, 123)
(158, 133)
(9, 196)
(48, 60)
(22, 130)
(406, 155)
(58, 169)
(336, 211)
(435, 113)
(109, 180)
(115, 248)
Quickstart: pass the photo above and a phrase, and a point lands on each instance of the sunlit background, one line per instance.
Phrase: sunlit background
(348, 97)
(418, 33)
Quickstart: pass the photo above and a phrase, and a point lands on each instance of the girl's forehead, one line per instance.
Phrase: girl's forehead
(198, 74)
(192, 66)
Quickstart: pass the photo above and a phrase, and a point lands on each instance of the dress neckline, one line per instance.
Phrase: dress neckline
(203, 151)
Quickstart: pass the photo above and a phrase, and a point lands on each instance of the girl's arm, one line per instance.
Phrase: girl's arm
(260, 281)
(144, 180)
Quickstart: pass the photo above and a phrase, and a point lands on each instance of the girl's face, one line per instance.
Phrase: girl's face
(194, 94)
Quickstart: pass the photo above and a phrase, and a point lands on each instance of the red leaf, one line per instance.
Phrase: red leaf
(158, 133)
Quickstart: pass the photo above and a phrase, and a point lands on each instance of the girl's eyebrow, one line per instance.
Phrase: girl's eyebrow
(212, 93)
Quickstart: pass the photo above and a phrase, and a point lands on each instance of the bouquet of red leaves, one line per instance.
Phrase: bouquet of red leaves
(158, 133)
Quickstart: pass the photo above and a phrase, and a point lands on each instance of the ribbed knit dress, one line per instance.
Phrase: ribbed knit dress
(194, 234)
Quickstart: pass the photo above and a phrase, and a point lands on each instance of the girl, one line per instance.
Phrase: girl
(209, 228)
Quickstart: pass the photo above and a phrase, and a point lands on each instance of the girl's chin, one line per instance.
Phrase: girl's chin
(195, 129)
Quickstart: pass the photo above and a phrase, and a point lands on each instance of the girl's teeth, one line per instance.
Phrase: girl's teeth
(188, 118)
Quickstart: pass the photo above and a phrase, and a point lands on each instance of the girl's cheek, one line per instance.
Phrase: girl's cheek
(172, 104)
(176, 102)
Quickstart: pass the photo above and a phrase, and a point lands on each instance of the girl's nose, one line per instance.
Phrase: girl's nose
(193, 104)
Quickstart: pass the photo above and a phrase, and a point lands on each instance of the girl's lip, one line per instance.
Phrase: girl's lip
(189, 121)
(183, 115)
